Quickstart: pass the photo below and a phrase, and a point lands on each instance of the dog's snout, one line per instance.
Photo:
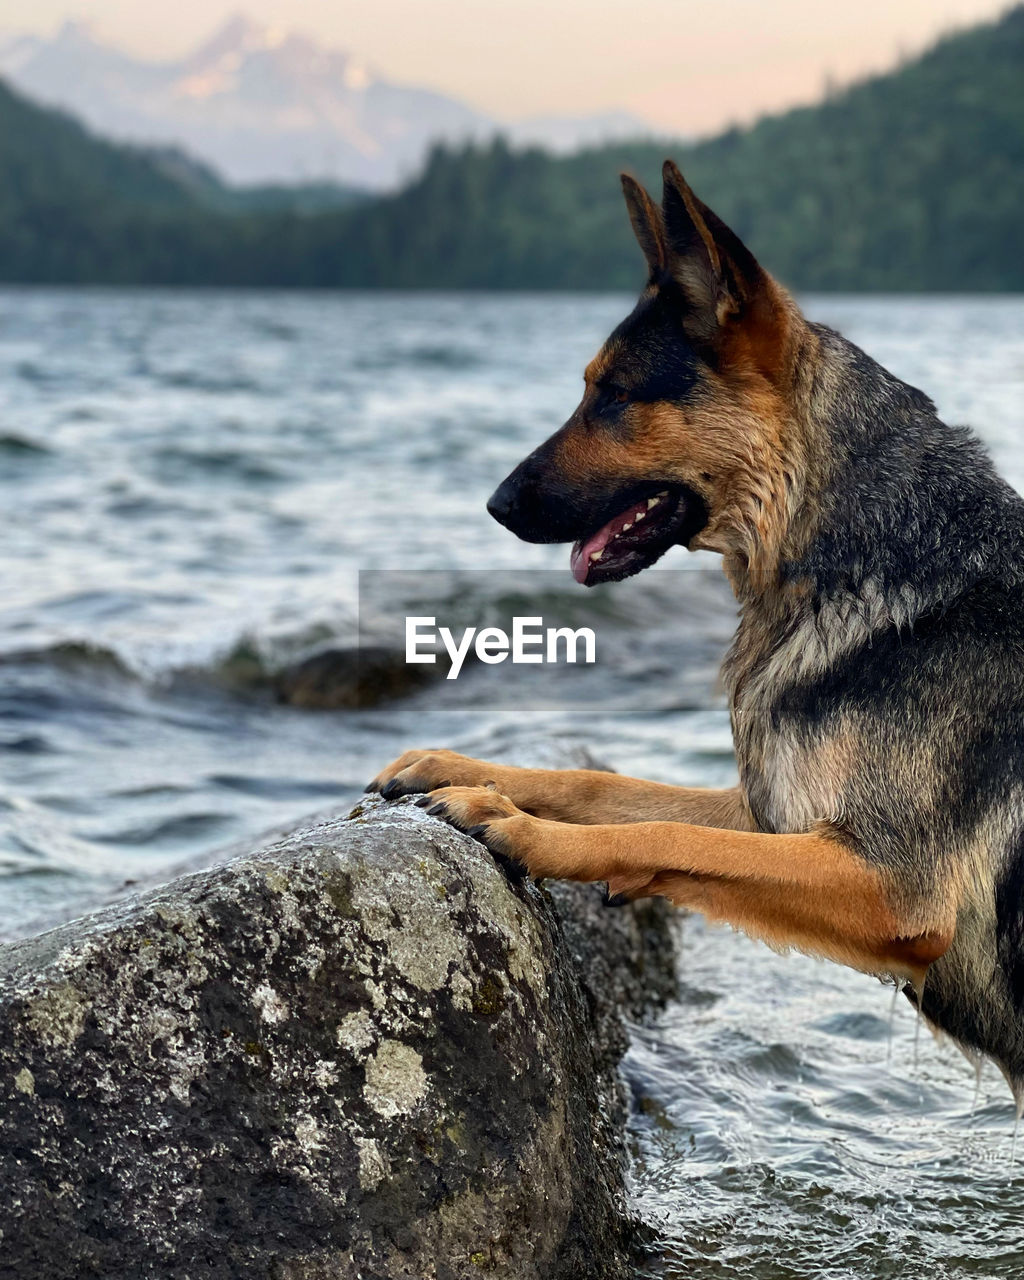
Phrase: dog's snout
(502, 502)
(518, 504)
(535, 502)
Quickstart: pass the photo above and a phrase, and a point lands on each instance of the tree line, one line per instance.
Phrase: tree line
(913, 180)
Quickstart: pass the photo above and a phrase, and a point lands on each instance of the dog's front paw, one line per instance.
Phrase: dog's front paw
(425, 769)
(487, 816)
(518, 840)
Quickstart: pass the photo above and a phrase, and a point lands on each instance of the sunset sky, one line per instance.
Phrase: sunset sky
(687, 66)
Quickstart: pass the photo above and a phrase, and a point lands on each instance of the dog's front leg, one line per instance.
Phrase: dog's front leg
(809, 890)
(589, 796)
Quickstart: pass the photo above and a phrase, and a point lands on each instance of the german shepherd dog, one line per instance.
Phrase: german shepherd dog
(875, 679)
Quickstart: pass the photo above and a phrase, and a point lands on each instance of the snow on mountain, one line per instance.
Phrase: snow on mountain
(263, 104)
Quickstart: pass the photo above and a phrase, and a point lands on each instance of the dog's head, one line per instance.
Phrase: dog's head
(679, 437)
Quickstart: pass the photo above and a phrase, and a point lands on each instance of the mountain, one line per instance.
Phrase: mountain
(908, 181)
(266, 106)
(913, 180)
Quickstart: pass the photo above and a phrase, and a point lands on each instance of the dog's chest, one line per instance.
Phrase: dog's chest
(793, 772)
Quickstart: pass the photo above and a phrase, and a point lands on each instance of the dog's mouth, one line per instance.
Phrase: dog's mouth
(639, 535)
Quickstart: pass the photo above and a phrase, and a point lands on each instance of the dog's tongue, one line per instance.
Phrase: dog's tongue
(582, 551)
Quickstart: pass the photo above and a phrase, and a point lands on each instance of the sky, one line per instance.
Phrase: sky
(686, 66)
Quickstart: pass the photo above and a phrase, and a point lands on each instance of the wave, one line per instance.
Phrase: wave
(333, 677)
(73, 656)
(16, 446)
(651, 629)
(216, 384)
(441, 356)
(171, 830)
(176, 462)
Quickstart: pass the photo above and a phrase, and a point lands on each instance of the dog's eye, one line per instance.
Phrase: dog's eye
(619, 394)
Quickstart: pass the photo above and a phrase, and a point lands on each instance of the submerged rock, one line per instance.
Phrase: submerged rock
(359, 1052)
(349, 679)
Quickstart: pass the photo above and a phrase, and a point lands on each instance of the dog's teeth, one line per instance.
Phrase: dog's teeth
(626, 526)
(596, 555)
(653, 502)
(663, 494)
(640, 515)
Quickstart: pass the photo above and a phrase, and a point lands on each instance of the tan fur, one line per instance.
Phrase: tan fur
(804, 890)
(597, 368)
(585, 796)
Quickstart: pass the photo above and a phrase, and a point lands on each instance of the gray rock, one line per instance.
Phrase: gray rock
(359, 1052)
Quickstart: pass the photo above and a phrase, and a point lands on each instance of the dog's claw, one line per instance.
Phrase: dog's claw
(477, 832)
(422, 801)
(615, 899)
(436, 808)
(391, 789)
(514, 870)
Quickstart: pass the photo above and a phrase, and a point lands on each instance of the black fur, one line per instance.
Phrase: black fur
(658, 362)
(914, 504)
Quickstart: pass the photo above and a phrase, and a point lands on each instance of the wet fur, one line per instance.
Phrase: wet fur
(877, 684)
(875, 677)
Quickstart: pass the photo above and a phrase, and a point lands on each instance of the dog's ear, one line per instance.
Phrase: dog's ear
(717, 273)
(647, 224)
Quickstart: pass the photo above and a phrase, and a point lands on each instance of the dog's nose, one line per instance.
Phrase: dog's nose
(502, 502)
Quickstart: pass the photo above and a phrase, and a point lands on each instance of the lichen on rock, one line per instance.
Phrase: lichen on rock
(360, 1051)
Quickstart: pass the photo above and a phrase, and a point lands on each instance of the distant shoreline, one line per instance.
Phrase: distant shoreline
(908, 182)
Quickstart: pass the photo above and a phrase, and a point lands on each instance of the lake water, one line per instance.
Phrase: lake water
(189, 484)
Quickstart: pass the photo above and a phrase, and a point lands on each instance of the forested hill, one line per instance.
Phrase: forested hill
(75, 208)
(911, 180)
